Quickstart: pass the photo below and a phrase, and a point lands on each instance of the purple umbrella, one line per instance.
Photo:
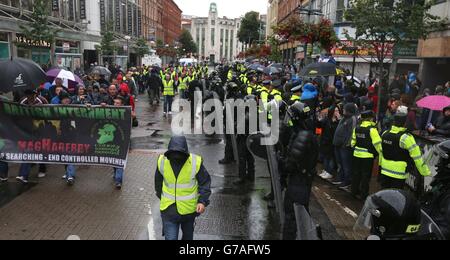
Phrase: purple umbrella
(71, 81)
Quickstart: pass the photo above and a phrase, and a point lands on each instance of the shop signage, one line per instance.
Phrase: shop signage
(117, 4)
(102, 15)
(82, 9)
(407, 50)
(341, 50)
(130, 19)
(23, 40)
(66, 46)
(55, 5)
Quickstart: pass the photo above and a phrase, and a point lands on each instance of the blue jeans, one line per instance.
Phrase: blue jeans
(173, 223)
(4, 170)
(329, 163)
(344, 160)
(70, 171)
(168, 103)
(118, 175)
(24, 171)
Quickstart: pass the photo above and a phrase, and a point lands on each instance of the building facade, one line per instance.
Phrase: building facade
(171, 22)
(80, 24)
(152, 19)
(272, 17)
(435, 51)
(216, 37)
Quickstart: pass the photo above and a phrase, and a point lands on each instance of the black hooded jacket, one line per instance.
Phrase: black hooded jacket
(443, 125)
(178, 144)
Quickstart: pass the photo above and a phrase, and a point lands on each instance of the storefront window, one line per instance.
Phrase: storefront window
(4, 46)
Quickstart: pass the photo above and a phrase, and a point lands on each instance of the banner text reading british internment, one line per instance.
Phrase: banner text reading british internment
(65, 134)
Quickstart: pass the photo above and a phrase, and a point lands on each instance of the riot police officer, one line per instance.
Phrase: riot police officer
(366, 142)
(398, 148)
(299, 166)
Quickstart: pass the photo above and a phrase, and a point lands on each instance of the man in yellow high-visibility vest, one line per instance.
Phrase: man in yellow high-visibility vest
(399, 148)
(168, 93)
(183, 185)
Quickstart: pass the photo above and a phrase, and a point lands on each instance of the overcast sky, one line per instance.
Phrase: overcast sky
(228, 8)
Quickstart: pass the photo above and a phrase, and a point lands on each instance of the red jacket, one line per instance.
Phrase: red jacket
(124, 91)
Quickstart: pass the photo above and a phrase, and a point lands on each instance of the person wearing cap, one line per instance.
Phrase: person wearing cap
(296, 91)
(183, 185)
(366, 142)
(252, 85)
(275, 93)
(399, 147)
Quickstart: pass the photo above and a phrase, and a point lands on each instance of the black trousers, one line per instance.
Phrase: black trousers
(391, 183)
(229, 154)
(362, 173)
(246, 159)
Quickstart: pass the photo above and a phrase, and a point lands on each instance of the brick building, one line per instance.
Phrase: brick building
(152, 19)
(171, 22)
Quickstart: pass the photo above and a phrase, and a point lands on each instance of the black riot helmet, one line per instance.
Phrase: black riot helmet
(391, 214)
(299, 111)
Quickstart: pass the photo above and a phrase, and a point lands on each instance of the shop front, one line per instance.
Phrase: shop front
(68, 55)
(4, 46)
(38, 51)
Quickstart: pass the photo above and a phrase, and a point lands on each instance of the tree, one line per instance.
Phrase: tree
(276, 54)
(187, 43)
(141, 48)
(385, 23)
(250, 28)
(108, 45)
(39, 29)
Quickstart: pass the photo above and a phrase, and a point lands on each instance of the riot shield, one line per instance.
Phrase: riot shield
(306, 228)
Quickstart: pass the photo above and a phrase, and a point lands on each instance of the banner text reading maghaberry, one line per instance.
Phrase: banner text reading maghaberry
(61, 112)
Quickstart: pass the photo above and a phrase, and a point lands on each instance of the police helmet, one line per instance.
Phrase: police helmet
(299, 111)
(391, 214)
(401, 116)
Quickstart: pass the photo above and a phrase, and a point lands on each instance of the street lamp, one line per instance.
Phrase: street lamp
(128, 38)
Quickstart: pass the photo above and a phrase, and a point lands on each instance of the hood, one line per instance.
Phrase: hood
(124, 87)
(178, 144)
(309, 92)
(350, 109)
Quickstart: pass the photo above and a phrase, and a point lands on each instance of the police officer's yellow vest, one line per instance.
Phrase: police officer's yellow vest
(168, 88)
(276, 95)
(398, 148)
(366, 140)
(250, 89)
(295, 98)
(182, 191)
(183, 83)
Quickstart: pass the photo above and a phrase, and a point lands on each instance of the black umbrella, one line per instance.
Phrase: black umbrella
(319, 69)
(99, 70)
(20, 74)
(271, 70)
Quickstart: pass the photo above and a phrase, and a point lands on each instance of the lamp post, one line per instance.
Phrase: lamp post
(128, 38)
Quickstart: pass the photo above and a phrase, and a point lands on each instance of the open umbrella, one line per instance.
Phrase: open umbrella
(70, 80)
(271, 70)
(435, 103)
(19, 74)
(99, 70)
(319, 69)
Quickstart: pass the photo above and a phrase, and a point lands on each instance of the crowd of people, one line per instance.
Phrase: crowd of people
(335, 125)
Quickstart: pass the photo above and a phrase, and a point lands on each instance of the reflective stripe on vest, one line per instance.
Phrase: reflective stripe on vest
(182, 190)
(168, 88)
(183, 83)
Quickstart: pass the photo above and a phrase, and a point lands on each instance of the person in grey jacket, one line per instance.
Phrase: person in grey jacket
(342, 143)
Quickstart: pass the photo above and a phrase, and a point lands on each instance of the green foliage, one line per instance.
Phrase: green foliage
(141, 47)
(39, 29)
(379, 22)
(108, 45)
(187, 43)
(276, 54)
(250, 28)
